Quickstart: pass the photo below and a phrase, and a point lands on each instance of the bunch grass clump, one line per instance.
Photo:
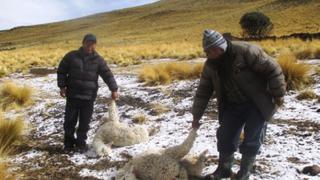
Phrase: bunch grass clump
(11, 131)
(13, 96)
(296, 74)
(307, 95)
(167, 72)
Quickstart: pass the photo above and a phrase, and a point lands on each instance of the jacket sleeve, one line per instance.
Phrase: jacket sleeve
(62, 72)
(203, 95)
(107, 76)
(268, 68)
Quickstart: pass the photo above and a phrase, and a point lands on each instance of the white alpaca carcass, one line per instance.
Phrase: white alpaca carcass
(171, 163)
(113, 132)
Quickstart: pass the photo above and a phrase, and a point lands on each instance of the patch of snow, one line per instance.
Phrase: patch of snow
(105, 175)
(273, 162)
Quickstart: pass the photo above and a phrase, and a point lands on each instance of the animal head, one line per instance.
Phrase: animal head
(104, 150)
(194, 164)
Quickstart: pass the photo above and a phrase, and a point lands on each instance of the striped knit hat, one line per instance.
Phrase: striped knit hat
(213, 38)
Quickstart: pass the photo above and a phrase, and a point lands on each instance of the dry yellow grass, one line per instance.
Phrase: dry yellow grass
(296, 74)
(139, 118)
(11, 130)
(166, 29)
(132, 54)
(4, 174)
(170, 21)
(21, 60)
(301, 49)
(159, 109)
(4, 171)
(49, 55)
(317, 70)
(317, 53)
(167, 72)
(307, 95)
(14, 96)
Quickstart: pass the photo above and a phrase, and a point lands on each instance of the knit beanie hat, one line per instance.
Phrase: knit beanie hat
(213, 38)
(89, 37)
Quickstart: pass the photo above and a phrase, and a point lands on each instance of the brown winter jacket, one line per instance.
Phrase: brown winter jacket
(258, 76)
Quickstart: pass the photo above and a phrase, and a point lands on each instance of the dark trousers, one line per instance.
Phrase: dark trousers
(235, 117)
(81, 110)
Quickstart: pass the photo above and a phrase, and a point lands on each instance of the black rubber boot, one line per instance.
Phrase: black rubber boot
(82, 147)
(246, 167)
(224, 167)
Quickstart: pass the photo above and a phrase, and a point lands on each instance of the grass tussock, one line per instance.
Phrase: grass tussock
(14, 96)
(4, 174)
(307, 95)
(317, 71)
(296, 74)
(167, 72)
(139, 119)
(317, 53)
(10, 133)
(159, 109)
(306, 53)
(3, 171)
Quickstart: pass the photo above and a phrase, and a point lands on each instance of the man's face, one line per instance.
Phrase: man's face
(89, 46)
(214, 53)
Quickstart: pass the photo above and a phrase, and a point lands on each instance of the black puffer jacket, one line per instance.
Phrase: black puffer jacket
(79, 74)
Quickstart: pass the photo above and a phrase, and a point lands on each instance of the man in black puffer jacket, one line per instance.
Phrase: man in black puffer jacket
(78, 74)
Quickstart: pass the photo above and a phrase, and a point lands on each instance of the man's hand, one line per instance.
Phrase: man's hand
(279, 101)
(63, 92)
(196, 124)
(115, 95)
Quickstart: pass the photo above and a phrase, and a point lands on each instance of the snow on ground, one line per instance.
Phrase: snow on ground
(301, 109)
(292, 142)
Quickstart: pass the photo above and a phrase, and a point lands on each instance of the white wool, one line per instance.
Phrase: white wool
(117, 133)
(159, 164)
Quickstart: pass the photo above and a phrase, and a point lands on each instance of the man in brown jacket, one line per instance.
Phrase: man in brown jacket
(249, 86)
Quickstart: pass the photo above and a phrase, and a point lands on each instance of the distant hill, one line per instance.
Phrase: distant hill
(170, 21)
